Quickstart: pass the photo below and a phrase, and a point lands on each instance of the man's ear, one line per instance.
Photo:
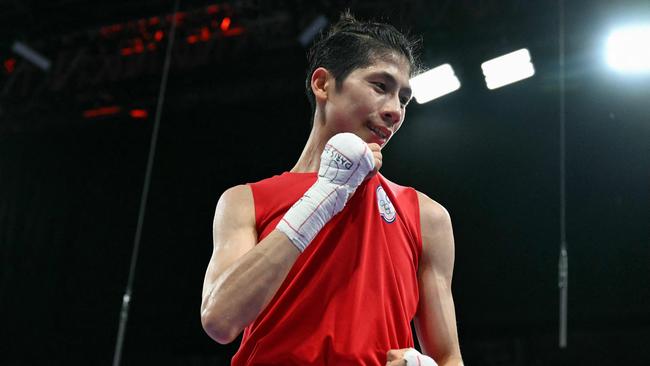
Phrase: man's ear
(321, 82)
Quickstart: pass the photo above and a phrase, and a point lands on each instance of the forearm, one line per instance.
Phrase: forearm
(242, 291)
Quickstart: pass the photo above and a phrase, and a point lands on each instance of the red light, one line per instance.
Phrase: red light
(10, 65)
(126, 51)
(154, 21)
(107, 30)
(205, 34)
(192, 39)
(158, 36)
(213, 9)
(225, 24)
(234, 32)
(178, 16)
(151, 46)
(139, 113)
(138, 47)
(102, 111)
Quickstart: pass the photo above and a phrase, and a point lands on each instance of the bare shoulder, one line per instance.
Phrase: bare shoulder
(233, 231)
(235, 206)
(239, 194)
(233, 228)
(437, 236)
(432, 213)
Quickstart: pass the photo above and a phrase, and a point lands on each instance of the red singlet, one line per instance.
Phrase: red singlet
(351, 295)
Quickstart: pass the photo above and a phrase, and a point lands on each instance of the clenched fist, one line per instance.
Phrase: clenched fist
(408, 357)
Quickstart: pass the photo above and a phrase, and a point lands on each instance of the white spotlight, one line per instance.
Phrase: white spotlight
(628, 49)
(309, 33)
(30, 55)
(434, 83)
(508, 69)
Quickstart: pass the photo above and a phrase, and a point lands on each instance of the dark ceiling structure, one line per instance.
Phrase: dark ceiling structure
(96, 50)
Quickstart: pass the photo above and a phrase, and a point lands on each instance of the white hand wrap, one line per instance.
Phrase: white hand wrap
(415, 358)
(344, 164)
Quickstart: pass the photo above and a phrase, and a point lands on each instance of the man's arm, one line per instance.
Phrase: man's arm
(242, 277)
(435, 320)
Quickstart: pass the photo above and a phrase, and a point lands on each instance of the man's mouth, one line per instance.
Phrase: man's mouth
(381, 132)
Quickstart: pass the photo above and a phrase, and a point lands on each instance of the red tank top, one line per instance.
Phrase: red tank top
(350, 297)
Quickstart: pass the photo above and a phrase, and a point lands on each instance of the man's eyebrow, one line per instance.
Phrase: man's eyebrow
(406, 91)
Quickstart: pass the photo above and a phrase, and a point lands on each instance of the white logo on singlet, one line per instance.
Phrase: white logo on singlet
(386, 208)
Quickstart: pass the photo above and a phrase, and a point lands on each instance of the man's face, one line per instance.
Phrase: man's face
(371, 101)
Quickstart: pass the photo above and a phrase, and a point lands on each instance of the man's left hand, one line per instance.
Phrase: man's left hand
(398, 357)
(395, 357)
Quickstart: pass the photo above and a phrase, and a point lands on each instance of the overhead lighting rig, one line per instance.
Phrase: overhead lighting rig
(130, 50)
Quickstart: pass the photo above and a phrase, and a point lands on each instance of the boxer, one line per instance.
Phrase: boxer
(329, 262)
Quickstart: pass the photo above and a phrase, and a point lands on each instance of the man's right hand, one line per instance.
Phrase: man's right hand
(345, 162)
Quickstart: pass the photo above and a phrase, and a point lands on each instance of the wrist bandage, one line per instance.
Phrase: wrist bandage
(415, 358)
(344, 164)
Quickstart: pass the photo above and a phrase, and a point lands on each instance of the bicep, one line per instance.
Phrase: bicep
(435, 320)
(233, 232)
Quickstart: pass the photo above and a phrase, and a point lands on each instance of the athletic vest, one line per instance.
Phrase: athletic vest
(351, 295)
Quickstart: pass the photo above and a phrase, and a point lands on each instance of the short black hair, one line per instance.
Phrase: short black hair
(350, 44)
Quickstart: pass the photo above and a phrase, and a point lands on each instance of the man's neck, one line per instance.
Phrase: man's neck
(309, 160)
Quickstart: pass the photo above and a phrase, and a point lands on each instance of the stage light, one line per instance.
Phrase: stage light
(213, 9)
(225, 24)
(434, 83)
(32, 56)
(308, 34)
(508, 69)
(205, 34)
(10, 65)
(138, 46)
(101, 112)
(138, 113)
(628, 49)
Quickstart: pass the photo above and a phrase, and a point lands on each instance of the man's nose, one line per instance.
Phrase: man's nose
(392, 112)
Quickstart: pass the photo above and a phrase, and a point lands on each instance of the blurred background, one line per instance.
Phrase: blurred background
(79, 83)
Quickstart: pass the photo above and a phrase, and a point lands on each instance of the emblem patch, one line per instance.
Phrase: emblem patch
(386, 208)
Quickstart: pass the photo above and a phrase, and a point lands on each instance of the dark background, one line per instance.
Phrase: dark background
(235, 112)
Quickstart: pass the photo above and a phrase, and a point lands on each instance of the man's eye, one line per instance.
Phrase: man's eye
(404, 101)
(380, 86)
